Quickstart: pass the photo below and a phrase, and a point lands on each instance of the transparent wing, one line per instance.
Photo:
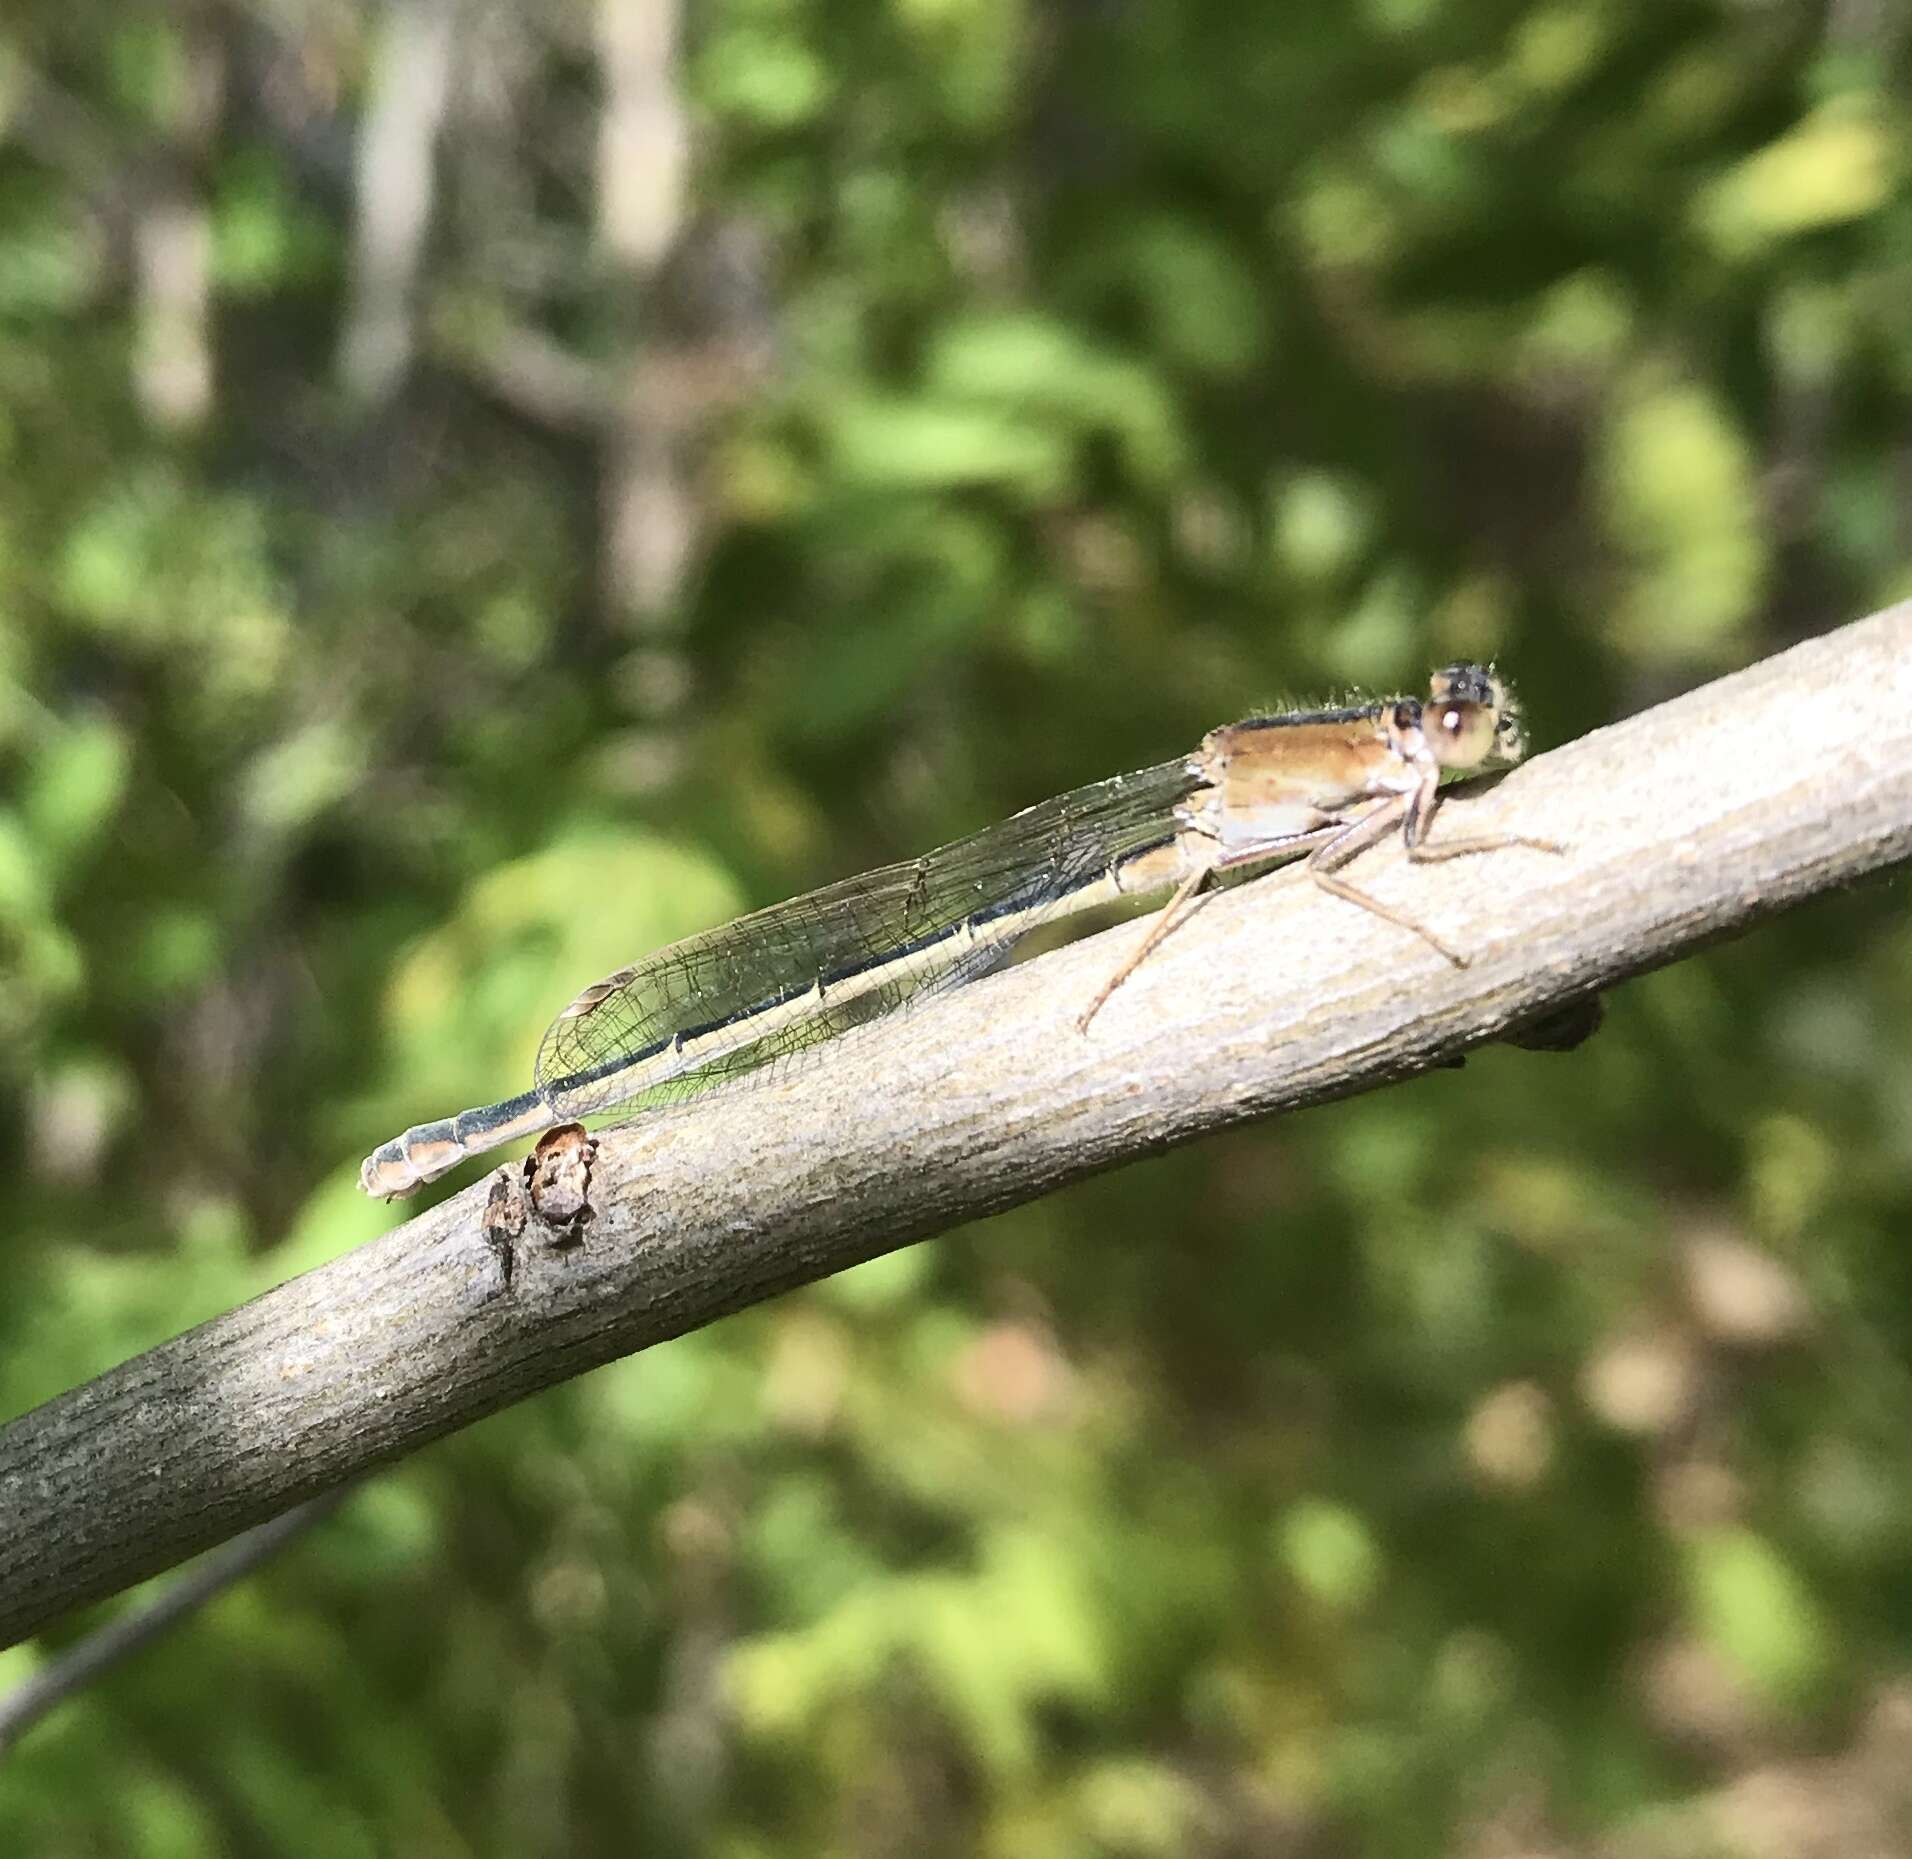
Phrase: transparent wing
(773, 984)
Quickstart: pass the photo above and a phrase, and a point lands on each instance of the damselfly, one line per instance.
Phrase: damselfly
(1319, 784)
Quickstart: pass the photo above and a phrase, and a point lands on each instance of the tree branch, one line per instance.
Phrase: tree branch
(1683, 825)
(411, 80)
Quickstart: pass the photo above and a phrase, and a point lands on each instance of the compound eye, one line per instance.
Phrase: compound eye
(1460, 734)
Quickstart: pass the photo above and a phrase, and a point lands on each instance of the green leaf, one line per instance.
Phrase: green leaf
(1682, 501)
(1034, 364)
(1837, 165)
(74, 785)
(1751, 1606)
(901, 443)
(1331, 1553)
(762, 78)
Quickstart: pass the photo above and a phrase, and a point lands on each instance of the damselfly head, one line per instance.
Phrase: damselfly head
(1470, 720)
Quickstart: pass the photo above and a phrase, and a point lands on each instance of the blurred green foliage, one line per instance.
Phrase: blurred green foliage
(1514, 1461)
